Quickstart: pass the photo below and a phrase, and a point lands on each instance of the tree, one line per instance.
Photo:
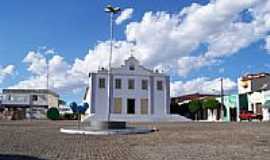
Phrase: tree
(210, 103)
(194, 106)
(82, 108)
(74, 107)
(79, 109)
(53, 113)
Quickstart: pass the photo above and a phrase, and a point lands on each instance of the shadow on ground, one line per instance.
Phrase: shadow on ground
(17, 157)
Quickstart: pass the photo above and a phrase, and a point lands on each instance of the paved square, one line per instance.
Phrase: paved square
(41, 140)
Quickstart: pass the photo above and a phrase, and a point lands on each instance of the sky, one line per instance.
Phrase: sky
(196, 42)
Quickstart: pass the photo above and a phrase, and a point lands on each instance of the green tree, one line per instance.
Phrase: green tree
(194, 106)
(53, 113)
(210, 103)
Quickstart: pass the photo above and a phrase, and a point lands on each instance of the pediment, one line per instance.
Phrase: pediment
(132, 66)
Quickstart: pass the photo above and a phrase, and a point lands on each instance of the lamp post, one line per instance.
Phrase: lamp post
(112, 11)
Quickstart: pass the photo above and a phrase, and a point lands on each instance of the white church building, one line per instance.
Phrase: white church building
(136, 94)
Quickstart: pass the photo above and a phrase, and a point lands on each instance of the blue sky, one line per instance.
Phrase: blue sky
(70, 28)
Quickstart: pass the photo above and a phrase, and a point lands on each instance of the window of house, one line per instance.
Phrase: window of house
(101, 83)
(132, 67)
(144, 84)
(34, 98)
(118, 83)
(117, 105)
(131, 84)
(10, 98)
(159, 85)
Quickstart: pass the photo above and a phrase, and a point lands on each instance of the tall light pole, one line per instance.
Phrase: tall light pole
(47, 74)
(222, 97)
(112, 11)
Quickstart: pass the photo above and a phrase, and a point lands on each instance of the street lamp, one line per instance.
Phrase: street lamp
(112, 11)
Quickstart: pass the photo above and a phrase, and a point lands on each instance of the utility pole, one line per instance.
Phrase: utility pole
(47, 80)
(47, 74)
(222, 95)
(111, 10)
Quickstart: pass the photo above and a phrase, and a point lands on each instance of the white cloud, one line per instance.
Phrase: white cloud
(170, 39)
(6, 71)
(60, 76)
(201, 85)
(267, 44)
(36, 61)
(125, 14)
(167, 41)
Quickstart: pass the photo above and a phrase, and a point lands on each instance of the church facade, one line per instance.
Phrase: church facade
(136, 94)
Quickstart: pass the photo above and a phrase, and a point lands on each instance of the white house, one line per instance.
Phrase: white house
(29, 103)
(256, 88)
(137, 94)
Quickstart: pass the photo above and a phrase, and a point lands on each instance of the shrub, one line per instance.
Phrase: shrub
(53, 113)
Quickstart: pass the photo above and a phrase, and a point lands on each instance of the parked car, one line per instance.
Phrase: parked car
(249, 115)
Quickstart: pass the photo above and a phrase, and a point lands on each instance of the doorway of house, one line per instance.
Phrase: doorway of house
(233, 115)
(131, 106)
(259, 108)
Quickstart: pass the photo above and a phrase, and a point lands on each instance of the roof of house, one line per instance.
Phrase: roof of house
(192, 97)
(254, 76)
(37, 91)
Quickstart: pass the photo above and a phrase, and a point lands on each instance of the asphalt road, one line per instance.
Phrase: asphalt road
(41, 140)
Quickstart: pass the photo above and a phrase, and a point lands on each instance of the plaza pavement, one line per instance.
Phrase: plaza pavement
(41, 140)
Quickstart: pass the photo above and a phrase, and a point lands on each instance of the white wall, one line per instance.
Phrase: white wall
(24, 99)
(158, 101)
(136, 93)
(241, 84)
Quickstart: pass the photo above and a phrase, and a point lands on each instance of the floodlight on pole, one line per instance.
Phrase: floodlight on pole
(111, 10)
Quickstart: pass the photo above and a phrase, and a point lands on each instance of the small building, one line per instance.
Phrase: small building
(64, 108)
(1, 107)
(179, 105)
(253, 92)
(137, 94)
(1, 98)
(28, 103)
(231, 107)
(189, 97)
(254, 83)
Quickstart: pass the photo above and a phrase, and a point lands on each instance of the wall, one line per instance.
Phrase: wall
(243, 86)
(53, 101)
(158, 101)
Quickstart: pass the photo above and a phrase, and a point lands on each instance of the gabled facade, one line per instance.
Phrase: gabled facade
(137, 93)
